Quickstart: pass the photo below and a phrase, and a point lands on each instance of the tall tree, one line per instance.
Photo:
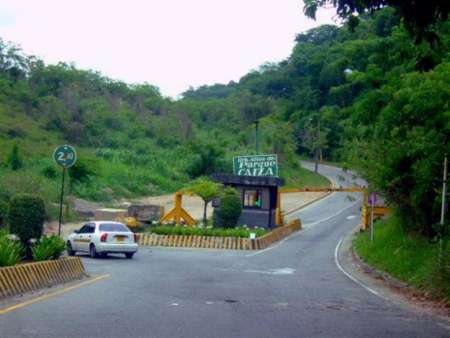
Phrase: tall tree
(419, 16)
(207, 190)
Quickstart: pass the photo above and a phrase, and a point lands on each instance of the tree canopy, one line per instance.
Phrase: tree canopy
(419, 16)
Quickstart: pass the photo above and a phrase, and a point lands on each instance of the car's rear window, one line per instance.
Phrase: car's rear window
(113, 227)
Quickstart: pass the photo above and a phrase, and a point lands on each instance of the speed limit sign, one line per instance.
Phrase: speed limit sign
(65, 156)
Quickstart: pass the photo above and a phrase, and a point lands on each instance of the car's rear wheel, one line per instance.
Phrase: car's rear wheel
(69, 249)
(92, 251)
(129, 255)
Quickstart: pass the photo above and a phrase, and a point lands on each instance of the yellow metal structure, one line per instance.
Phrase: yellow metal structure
(378, 210)
(131, 222)
(178, 214)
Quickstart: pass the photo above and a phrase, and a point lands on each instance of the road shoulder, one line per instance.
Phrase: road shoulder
(388, 287)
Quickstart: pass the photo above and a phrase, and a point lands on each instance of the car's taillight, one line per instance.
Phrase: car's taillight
(103, 237)
(136, 238)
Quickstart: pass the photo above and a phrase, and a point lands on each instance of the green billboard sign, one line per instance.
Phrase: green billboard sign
(256, 165)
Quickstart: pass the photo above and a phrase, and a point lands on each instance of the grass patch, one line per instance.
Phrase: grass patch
(241, 232)
(301, 177)
(406, 256)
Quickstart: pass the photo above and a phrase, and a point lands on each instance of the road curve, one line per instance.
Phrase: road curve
(293, 289)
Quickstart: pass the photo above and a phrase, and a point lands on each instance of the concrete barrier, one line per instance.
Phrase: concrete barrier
(228, 243)
(22, 278)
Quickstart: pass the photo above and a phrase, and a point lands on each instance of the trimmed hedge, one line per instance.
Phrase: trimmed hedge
(241, 232)
(230, 209)
(26, 217)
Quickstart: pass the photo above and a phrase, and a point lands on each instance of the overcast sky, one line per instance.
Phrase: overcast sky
(172, 44)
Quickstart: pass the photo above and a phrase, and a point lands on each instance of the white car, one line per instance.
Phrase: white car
(101, 238)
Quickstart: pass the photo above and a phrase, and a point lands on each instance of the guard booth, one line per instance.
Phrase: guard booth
(258, 195)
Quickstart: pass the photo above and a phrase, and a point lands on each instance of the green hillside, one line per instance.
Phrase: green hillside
(370, 96)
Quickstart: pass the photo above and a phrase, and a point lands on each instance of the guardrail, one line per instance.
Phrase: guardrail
(211, 242)
(22, 278)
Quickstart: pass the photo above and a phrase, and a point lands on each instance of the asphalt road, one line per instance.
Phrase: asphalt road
(293, 289)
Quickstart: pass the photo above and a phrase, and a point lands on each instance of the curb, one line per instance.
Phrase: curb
(228, 243)
(22, 278)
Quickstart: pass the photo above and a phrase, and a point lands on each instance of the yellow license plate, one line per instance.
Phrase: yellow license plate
(120, 238)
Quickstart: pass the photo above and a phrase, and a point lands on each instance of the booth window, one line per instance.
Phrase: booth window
(252, 199)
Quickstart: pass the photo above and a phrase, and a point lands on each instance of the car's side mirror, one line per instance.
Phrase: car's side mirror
(76, 231)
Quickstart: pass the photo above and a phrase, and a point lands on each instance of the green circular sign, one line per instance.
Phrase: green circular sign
(65, 156)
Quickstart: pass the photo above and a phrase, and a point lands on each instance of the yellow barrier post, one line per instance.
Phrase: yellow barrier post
(178, 213)
(278, 215)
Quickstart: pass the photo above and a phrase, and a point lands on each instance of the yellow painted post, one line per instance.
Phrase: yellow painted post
(278, 216)
(178, 203)
(364, 211)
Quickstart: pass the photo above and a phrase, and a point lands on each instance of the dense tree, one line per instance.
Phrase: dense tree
(380, 95)
(419, 16)
(207, 190)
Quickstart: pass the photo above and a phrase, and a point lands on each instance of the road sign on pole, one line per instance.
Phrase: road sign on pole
(373, 199)
(65, 156)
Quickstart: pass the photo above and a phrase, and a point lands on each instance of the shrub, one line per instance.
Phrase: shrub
(49, 172)
(14, 160)
(230, 209)
(11, 251)
(241, 232)
(3, 213)
(26, 217)
(80, 172)
(14, 183)
(51, 247)
(208, 159)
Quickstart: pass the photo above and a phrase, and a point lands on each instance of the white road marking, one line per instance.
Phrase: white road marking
(273, 246)
(351, 217)
(308, 225)
(174, 304)
(332, 216)
(280, 271)
(336, 260)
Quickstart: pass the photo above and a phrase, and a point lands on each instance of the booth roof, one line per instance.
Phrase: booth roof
(266, 181)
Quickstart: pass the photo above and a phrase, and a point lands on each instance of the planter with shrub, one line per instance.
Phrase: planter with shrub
(239, 232)
(48, 248)
(11, 250)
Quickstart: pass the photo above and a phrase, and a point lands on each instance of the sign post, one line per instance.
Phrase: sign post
(373, 197)
(256, 165)
(65, 156)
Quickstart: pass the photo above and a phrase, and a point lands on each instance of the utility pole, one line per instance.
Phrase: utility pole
(317, 147)
(256, 137)
(442, 221)
(444, 191)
